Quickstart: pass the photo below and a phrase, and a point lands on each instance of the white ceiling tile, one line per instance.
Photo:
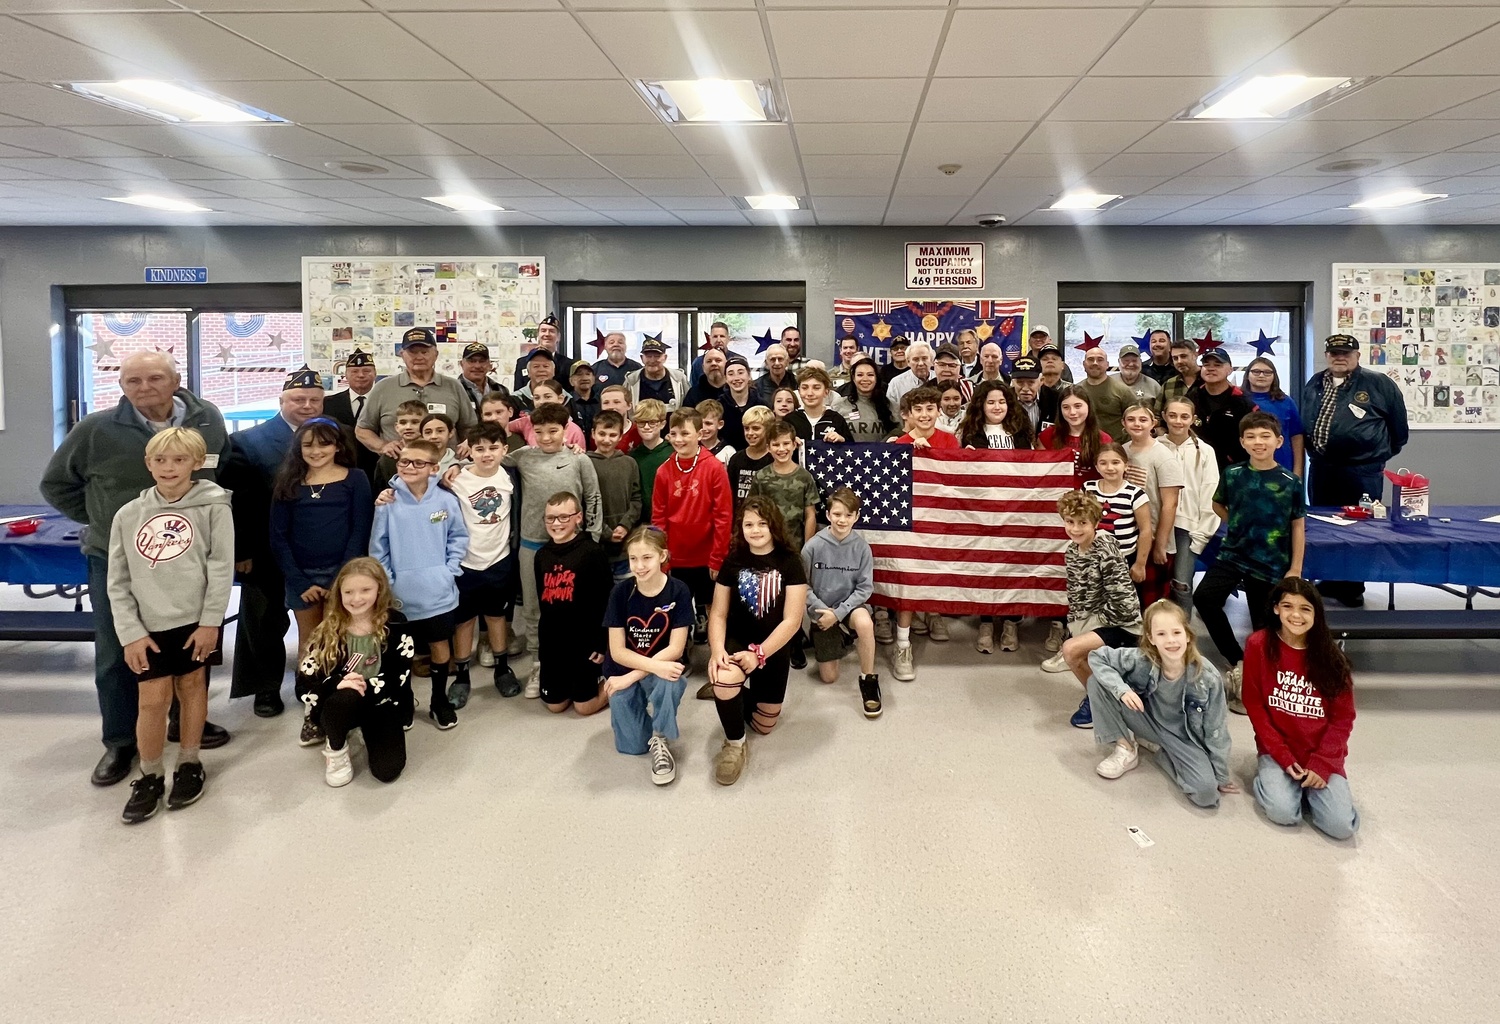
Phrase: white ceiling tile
(620, 138)
(778, 218)
(1055, 136)
(587, 188)
(337, 188)
(853, 187)
(311, 102)
(441, 102)
(658, 187)
(849, 100)
(803, 40)
(1375, 41)
(1282, 185)
(1201, 186)
(850, 210)
(17, 151)
(1137, 98)
(1406, 99)
(167, 140)
(577, 102)
(1473, 56)
(543, 204)
(923, 181)
(921, 212)
(504, 140)
(768, 141)
(1000, 99)
(265, 168)
(244, 188)
(538, 45)
(177, 45)
(870, 166)
(1468, 183)
(54, 167)
(659, 165)
(543, 167)
(664, 45)
(1252, 161)
(1055, 167)
(450, 167)
(677, 203)
(497, 189)
(1214, 42)
(30, 53)
(713, 218)
(159, 167)
(60, 142)
(83, 6)
(846, 139)
(1138, 164)
(1451, 163)
(347, 46)
(1324, 136)
(976, 144)
(55, 107)
(1201, 137)
(9, 173)
(404, 6)
(1056, 42)
(394, 139)
(216, 6)
(1485, 145)
(1487, 106)
(641, 218)
(607, 203)
(1435, 135)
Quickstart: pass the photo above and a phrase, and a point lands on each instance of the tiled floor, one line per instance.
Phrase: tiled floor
(957, 860)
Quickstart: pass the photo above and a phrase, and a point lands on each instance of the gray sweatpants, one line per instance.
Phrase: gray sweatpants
(531, 611)
(1185, 763)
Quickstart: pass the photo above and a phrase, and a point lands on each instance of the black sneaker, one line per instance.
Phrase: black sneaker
(700, 630)
(187, 785)
(458, 691)
(869, 692)
(798, 655)
(145, 799)
(443, 715)
(506, 681)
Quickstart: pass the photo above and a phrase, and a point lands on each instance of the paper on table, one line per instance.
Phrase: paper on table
(1490, 519)
(16, 519)
(1333, 519)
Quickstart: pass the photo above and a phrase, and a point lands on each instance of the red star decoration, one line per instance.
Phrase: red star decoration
(1089, 341)
(598, 343)
(1207, 343)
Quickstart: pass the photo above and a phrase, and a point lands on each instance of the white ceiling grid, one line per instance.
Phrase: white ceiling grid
(530, 104)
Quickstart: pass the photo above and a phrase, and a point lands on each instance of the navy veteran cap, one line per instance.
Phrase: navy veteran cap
(1026, 368)
(653, 343)
(476, 348)
(550, 320)
(1341, 343)
(419, 336)
(304, 377)
(358, 358)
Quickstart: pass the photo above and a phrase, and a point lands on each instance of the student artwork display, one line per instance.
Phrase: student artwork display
(1434, 330)
(369, 304)
(936, 321)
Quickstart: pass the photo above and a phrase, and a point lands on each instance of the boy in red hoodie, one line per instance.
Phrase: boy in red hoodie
(694, 506)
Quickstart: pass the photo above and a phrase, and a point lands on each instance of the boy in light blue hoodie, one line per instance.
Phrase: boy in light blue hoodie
(420, 539)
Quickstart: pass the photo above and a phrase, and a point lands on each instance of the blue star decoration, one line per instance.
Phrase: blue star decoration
(764, 341)
(1143, 342)
(1263, 344)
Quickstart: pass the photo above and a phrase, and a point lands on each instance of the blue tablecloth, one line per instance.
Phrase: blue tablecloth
(1464, 552)
(49, 557)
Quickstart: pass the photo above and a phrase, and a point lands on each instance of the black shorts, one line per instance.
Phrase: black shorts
(433, 630)
(700, 584)
(766, 685)
(832, 644)
(1115, 636)
(489, 592)
(569, 679)
(173, 659)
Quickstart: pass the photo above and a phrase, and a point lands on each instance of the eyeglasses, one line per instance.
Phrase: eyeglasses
(413, 463)
(558, 520)
(1261, 370)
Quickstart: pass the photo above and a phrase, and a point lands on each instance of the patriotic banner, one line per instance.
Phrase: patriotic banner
(876, 321)
(957, 532)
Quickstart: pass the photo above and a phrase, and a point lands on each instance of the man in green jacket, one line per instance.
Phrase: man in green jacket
(99, 467)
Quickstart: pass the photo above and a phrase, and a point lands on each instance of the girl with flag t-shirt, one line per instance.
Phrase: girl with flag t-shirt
(1125, 512)
(1300, 698)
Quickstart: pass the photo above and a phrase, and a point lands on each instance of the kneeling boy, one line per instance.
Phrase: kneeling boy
(841, 578)
(573, 584)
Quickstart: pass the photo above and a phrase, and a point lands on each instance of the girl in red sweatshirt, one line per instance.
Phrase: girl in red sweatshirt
(1298, 691)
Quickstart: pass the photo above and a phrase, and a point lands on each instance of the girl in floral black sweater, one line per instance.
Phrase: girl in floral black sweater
(357, 673)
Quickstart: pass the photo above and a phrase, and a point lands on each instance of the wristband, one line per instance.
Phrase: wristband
(760, 655)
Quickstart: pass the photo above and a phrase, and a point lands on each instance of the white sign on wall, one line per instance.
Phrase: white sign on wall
(944, 265)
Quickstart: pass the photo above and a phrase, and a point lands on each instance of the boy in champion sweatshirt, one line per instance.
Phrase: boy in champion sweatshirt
(692, 503)
(171, 567)
(619, 489)
(420, 540)
(840, 579)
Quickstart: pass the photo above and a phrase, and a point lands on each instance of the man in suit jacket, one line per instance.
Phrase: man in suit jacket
(255, 455)
(548, 338)
(345, 406)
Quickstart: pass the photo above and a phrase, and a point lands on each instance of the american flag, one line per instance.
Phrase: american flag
(957, 532)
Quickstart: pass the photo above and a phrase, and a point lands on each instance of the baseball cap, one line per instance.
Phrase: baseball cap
(1026, 368)
(900, 341)
(1341, 343)
(947, 352)
(580, 364)
(653, 343)
(538, 353)
(1040, 329)
(1128, 349)
(1218, 354)
(476, 348)
(419, 336)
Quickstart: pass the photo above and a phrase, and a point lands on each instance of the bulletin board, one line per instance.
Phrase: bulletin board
(370, 304)
(1434, 330)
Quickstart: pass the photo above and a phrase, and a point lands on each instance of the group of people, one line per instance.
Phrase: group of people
(614, 523)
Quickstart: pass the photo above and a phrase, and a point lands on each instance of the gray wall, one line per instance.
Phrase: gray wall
(835, 262)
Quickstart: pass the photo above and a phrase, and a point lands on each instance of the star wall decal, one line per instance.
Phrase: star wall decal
(881, 330)
(104, 346)
(276, 341)
(764, 341)
(1207, 342)
(1263, 344)
(598, 342)
(225, 355)
(1089, 342)
(1143, 342)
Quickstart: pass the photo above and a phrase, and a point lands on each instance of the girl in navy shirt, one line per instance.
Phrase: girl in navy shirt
(1263, 385)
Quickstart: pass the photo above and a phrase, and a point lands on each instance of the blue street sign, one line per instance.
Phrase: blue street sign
(177, 275)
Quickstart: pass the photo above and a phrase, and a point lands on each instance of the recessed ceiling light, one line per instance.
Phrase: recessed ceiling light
(464, 204)
(160, 203)
(1269, 97)
(711, 100)
(1085, 201)
(168, 101)
(773, 202)
(1401, 197)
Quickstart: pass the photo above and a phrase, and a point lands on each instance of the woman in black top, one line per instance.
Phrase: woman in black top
(759, 599)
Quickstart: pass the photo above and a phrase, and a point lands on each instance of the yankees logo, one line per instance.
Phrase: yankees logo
(163, 537)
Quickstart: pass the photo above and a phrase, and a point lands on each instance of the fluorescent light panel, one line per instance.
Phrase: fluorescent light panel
(1402, 197)
(160, 203)
(773, 202)
(711, 101)
(168, 101)
(464, 204)
(1084, 201)
(1267, 97)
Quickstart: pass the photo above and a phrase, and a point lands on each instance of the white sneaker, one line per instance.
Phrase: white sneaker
(1119, 761)
(1055, 637)
(885, 629)
(337, 771)
(937, 628)
(516, 646)
(1056, 663)
(986, 642)
(919, 625)
(485, 655)
(903, 664)
(1009, 641)
(663, 764)
(534, 682)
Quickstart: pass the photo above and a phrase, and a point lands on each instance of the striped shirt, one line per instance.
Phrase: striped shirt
(1119, 514)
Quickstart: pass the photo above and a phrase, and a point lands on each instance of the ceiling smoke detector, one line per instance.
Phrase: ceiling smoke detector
(355, 167)
(1345, 166)
(950, 169)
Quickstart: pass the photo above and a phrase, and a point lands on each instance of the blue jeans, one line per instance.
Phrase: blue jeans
(119, 696)
(1282, 797)
(1184, 563)
(646, 706)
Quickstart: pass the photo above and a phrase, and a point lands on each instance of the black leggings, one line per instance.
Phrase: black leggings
(767, 687)
(385, 740)
(1218, 583)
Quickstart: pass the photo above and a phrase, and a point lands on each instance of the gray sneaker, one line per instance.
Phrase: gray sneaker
(1009, 641)
(663, 764)
(903, 664)
(534, 682)
(885, 629)
(1055, 637)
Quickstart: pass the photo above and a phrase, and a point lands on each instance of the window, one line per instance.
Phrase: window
(242, 360)
(747, 332)
(635, 324)
(1238, 331)
(108, 338)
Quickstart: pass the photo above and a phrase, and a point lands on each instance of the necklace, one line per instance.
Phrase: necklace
(676, 459)
(317, 492)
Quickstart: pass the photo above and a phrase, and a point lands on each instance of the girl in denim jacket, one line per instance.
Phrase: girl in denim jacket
(1165, 695)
